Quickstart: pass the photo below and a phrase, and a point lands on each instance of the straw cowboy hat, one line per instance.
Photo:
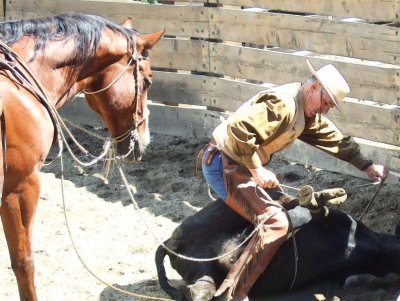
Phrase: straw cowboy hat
(332, 81)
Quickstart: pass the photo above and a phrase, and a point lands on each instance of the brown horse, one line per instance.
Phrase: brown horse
(43, 64)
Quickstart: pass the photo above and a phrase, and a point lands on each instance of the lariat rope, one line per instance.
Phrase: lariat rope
(350, 187)
(257, 227)
(109, 143)
(137, 209)
(80, 257)
(59, 124)
(372, 199)
(160, 242)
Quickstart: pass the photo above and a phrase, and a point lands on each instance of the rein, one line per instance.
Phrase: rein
(36, 89)
(59, 124)
(132, 59)
(20, 77)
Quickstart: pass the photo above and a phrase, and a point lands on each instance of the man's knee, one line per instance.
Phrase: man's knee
(283, 220)
(274, 230)
(275, 219)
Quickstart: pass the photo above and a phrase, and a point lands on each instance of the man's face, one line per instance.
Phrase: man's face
(317, 101)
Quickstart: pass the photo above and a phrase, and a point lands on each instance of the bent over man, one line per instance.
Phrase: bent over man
(234, 162)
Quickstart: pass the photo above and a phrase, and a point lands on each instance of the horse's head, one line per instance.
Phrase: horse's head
(120, 97)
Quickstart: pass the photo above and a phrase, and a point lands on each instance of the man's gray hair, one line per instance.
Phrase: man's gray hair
(312, 79)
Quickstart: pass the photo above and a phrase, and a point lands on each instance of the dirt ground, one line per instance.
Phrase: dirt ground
(117, 242)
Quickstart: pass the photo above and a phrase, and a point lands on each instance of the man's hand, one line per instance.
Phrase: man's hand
(264, 177)
(377, 173)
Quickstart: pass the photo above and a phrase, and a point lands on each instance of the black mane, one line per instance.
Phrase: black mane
(84, 29)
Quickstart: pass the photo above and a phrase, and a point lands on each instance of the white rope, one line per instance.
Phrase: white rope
(61, 138)
(135, 205)
(80, 257)
(59, 121)
(289, 187)
(59, 124)
(357, 186)
(210, 194)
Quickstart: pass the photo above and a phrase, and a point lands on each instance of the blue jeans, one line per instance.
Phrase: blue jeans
(214, 177)
(213, 174)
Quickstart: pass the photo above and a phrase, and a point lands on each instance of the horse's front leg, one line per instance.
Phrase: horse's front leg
(17, 214)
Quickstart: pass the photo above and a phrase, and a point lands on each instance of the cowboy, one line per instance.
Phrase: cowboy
(234, 162)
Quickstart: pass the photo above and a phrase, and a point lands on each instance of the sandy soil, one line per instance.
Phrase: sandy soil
(116, 242)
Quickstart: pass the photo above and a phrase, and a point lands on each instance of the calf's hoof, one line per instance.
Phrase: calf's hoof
(315, 200)
(203, 289)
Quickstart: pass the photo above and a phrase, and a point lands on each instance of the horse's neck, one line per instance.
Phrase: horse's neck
(56, 70)
(49, 67)
(111, 48)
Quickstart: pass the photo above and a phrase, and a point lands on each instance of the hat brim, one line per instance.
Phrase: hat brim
(326, 88)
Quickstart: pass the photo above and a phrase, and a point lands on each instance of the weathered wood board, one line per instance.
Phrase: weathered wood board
(199, 123)
(218, 58)
(313, 33)
(374, 10)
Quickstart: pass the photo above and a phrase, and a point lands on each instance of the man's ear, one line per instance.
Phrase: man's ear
(315, 86)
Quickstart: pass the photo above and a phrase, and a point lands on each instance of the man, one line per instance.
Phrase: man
(234, 163)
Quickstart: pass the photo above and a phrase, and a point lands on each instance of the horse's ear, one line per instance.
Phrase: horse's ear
(147, 41)
(128, 23)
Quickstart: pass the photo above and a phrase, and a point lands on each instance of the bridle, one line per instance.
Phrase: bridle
(59, 123)
(135, 58)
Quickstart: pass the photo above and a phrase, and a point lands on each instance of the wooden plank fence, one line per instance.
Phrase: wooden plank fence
(2, 11)
(218, 53)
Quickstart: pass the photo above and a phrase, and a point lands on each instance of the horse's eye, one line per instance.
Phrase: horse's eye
(145, 53)
(147, 82)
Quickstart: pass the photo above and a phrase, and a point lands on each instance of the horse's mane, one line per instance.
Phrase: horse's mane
(83, 28)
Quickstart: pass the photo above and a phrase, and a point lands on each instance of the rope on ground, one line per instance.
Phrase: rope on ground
(135, 205)
(80, 257)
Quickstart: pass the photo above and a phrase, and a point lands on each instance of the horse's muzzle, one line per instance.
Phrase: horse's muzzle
(130, 150)
(137, 151)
